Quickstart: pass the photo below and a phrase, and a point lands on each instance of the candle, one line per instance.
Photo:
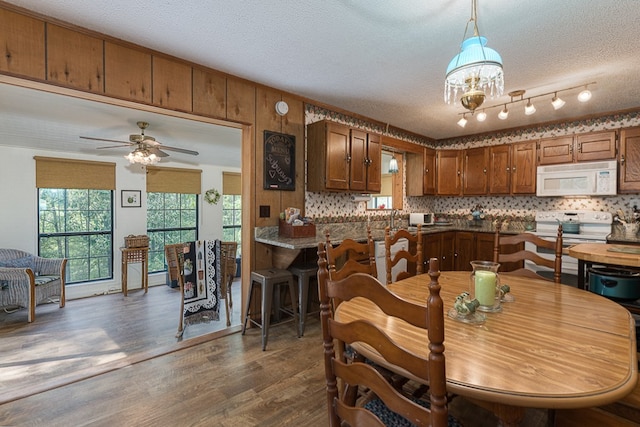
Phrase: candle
(485, 287)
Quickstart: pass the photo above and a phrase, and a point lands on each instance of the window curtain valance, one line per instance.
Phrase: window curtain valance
(173, 180)
(231, 183)
(53, 172)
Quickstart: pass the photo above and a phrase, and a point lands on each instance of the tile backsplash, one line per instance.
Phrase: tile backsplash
(327, 207)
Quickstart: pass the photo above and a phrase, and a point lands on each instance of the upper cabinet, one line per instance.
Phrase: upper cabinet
(629, 160)
(577, 148)
(23, 45)
(449, 172)
(343, 159)
(513, 169)
(421, 165)
(476, 164)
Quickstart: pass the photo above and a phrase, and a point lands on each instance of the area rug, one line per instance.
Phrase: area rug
(202, 282)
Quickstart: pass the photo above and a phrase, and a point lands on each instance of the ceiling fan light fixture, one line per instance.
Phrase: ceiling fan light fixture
(142, 156)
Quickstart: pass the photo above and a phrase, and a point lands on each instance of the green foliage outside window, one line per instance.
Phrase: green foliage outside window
(232, 219)
(77, 224)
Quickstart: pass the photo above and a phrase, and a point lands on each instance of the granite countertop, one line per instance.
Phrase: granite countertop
(358, 232)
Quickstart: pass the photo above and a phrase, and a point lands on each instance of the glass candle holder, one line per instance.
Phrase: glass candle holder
(485, 285)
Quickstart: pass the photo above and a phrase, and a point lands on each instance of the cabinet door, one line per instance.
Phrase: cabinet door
(484, 246)
(449, 171)
(23, 45)
(629, 160)
(358, 161)
(465, 250)
(429, 184)
(447, 251)
(500, 169)
(556, 150)
(374, 163)
(415, 171)
(523, 168)
(432, 248)
(475, 176)
(596, 146)
(337, 157)
(127, 72)
(172, 84)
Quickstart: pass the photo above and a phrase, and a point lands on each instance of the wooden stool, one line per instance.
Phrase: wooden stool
(269, 279)
(304, 273)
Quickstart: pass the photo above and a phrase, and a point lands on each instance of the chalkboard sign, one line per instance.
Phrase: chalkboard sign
(279, 161)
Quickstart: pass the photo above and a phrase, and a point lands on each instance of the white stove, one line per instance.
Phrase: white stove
(594, 227)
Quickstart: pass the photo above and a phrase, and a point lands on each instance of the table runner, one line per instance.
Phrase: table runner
(202, 282)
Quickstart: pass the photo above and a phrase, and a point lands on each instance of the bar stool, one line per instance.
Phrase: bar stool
(269, 280)
(304, 273)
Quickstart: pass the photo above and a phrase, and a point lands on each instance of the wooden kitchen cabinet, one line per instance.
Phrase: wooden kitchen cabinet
(421, 173)
(23, 45)
(629, 160)
(449, 171)
(474, 176)
(465, 250)
(172, 84)
(578, 148)
(484, 246)
(343, 159)
(512, 168)
(441, 246)
(127, 73)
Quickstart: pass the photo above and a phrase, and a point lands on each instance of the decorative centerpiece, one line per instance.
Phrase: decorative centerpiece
(476, 217)
(505, 294)
(464, 310)
(485, 285)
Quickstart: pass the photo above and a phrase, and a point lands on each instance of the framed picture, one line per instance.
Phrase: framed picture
(131, 198)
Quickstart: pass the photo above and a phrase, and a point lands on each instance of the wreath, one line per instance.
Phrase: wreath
(212, 196)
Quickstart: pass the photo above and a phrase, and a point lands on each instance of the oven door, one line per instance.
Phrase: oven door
(569, 264)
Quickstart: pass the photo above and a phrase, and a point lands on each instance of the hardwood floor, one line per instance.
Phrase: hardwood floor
(95, 364)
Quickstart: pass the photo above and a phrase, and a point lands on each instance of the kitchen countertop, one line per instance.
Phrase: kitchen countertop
(619, 236)
(358, 232)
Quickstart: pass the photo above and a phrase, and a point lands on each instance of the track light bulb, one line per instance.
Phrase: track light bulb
(529, 109)
(585, 95)
(557, 102)
(462, 122)
(482, 116)
(502, 115)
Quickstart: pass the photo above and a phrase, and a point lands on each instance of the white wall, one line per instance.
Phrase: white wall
(18, 210)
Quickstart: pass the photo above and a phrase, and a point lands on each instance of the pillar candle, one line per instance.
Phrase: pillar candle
(485, 284)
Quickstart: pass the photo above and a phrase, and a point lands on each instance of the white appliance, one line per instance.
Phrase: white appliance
(426, 218)
(594, 228)
(578, 179)
(381, 262)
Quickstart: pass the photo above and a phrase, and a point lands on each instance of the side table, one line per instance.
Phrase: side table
(133, 255)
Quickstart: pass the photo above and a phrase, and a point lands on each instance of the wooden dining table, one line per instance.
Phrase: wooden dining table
(555, 346)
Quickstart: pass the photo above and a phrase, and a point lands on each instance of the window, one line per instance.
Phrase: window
(171, 218)
(232, 219)
(77, 225)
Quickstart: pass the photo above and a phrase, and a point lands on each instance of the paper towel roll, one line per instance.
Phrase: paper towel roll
(360, 198)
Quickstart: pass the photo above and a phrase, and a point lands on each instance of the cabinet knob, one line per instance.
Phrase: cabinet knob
(348, 159)
(484, 170)
(622, 160)
(426, 170)
(580, 148)
(513, 169)
(508, 169)
(458, 172)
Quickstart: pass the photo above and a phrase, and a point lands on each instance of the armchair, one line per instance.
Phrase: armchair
(27, 280)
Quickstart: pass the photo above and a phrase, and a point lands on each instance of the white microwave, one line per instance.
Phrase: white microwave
(421, 218)
(578, 179)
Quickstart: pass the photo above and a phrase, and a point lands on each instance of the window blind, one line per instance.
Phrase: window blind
(52, 172)
(173, 180)
(231, 183)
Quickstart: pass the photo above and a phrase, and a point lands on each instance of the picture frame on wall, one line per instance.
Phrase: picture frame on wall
(131, 198)
(279, 161)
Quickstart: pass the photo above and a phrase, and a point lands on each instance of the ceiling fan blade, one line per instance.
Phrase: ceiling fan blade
(157, 152)
(107, 140)
(179, 150)
(112, 146)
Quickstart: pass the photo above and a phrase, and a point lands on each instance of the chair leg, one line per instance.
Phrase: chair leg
(248, 306)
(267, 299)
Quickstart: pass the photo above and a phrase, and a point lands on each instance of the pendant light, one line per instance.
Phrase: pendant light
(393, 164)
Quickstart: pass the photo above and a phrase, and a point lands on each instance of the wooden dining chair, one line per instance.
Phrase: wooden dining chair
(414, 260)
(174, 255)
(350, 257)
(228, 268)
(388, 405)
(501, 256)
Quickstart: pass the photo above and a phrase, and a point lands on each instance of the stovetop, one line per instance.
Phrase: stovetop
(594, 225)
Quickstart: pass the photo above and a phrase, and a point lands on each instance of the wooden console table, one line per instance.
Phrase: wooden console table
(134, 255)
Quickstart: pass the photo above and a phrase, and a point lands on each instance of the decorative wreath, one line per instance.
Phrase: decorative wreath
(212, 196)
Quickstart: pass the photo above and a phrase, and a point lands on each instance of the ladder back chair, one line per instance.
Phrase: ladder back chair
(388, 406)
(174, 254)
(228, 268)
(553, 246)
(415, 261)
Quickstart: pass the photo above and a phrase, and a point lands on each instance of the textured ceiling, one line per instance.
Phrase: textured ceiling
(386, 59)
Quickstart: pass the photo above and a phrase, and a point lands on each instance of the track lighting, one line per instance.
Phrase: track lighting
(518, 96)
(585, 95)
(529, 109)
(502, 115)
(557, 102)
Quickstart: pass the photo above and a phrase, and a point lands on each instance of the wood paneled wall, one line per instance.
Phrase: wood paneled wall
(45, 50)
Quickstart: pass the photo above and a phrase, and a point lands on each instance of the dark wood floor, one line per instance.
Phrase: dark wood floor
(86, 376)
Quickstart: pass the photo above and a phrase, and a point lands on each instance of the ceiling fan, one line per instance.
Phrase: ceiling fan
(146, 148)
